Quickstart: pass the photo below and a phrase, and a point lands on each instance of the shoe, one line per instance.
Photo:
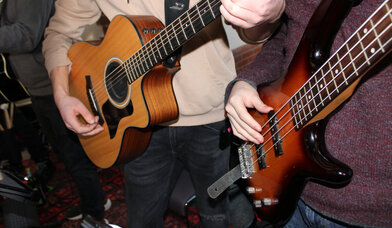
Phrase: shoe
(90, 222)
(75, 213)
(45, 170)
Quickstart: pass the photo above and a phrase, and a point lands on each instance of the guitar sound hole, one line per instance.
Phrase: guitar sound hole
(116, 82)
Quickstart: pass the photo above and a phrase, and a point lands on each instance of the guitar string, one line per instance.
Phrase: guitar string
(175, 29)
(114, 77)
(337, 89)
(350, 38)
(293, 127)
(137, 54)
(314, 75)
(288, 132)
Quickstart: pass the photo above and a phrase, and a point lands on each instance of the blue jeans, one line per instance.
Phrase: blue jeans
(150, 178)
(66, 145)
(304, 216)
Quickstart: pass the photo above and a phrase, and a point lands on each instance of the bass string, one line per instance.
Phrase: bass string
(335, 90)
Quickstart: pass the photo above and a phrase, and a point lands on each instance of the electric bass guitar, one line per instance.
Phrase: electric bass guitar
(11, 89)
(124, 83)
(315, 84)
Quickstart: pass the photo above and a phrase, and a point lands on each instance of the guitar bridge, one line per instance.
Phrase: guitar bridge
(93, 100)
(245, 157)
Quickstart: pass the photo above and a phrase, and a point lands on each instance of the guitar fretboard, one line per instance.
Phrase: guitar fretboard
(171, 38)
(368, 45)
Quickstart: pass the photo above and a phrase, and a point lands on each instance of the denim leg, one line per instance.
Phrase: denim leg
(148, 181)
(305, 216)
(66, 145)
(149, 178)
(206, 163)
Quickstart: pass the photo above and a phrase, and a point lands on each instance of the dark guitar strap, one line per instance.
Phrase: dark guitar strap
(173, 9)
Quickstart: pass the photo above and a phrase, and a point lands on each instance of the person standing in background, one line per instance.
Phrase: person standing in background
(21, 33)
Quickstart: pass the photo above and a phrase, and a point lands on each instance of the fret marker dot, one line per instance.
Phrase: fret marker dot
(309, 97)
(321, 86)
(365, 30)
(300, 106)
(336, 71)
(372, 50)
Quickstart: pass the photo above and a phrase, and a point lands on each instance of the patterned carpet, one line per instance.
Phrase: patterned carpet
(63, 195)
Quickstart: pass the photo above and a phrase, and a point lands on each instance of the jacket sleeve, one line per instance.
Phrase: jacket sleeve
(24, 25)
(65, 27)
(268, 65)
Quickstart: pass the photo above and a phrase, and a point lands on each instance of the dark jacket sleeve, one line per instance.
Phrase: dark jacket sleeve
(268, 64)
(22, 31)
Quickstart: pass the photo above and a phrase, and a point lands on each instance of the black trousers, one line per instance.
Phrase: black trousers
(66, 145)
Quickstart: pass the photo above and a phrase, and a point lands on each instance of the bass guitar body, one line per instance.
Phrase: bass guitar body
(294, 151)
(128, 105)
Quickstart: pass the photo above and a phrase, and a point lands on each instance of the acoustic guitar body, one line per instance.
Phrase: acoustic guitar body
(128, 105)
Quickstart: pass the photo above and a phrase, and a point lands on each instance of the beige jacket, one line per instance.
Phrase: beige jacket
(207, 64)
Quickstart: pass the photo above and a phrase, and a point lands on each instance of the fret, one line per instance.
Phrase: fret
(389, 10)
(137, 68)
(148, 55)
(175, 35)
(131, 69)
(143, 66)
(338, 71)
(294, 112)
(157, 49)
(153, 52)
(169, 41)
(302, 105)
(377, 36)
(215, 7)
(143, 61)
(341, 69)
(201, 19)
(162, 44)
(363, 48)
(134, 73)
(311, 95)
(182, 29)
(190, 21)
(319, 86)
(125, 67)
(333, 77)
(186, 27)
(351, 59)
(196, 21)
(316, 92)
(207, 15)
(133, 76)
(212, 12)
(325, 84)
(298, 111)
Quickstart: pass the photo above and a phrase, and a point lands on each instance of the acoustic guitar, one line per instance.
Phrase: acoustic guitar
(11, 89)
(123, 81)
(315, 84)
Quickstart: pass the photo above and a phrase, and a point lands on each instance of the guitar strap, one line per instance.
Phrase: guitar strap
(173, 9)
